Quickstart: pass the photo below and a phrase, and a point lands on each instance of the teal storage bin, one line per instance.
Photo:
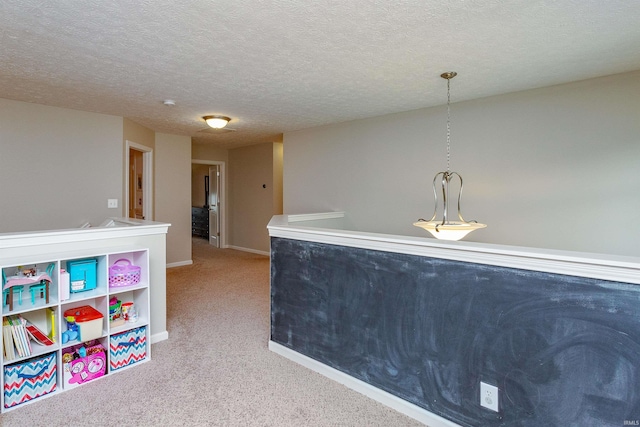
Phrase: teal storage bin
(82, 274)
(29, 379)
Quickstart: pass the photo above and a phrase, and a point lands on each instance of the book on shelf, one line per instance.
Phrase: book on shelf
(17, 333)
(17, 339)
(24, 335)
(51, 323)
(37, 335)
(7, 339)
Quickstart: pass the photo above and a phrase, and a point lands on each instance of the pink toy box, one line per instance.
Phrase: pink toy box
(82, 364)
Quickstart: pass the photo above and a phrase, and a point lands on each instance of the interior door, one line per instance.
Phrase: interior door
(214, 205)
(132, 186)
(136, 188)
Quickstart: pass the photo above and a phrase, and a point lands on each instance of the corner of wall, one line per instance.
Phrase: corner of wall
(278, 150)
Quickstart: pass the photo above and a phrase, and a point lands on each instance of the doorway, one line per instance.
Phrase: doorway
(138, 200)
(208, 203)
(214, 205)
(136, 190)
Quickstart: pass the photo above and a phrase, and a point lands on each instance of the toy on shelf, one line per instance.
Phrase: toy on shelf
(64, 287)
(7, 295)
(83, 363)
(129, 312)
(29, 272)
(72, 330)
(39, 284)
(82, 274)
(115, 312)
(85, 320)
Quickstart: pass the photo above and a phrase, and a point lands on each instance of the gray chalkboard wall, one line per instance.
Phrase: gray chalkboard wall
(563, 350)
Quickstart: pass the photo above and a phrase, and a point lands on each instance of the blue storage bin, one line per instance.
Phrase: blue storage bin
(128, 347)
(28, 379)
(82, 274)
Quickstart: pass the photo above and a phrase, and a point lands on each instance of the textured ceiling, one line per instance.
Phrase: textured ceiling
(277, 66)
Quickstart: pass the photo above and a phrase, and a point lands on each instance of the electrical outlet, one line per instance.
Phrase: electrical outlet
(489, 396)
(112, 203)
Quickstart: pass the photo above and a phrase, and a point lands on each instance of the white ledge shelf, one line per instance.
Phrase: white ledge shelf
(598, 266)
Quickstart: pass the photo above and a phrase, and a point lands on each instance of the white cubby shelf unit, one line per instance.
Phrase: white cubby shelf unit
(38, 311)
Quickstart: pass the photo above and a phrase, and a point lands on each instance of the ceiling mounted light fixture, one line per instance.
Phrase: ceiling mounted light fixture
(446, 229)
(216, 122)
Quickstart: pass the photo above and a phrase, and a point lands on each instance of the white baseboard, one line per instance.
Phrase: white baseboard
(179, 263)
(159, 337)
(253, 251)
(387, 399)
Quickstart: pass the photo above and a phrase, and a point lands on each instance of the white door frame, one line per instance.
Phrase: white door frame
(222, 197)
(147, 179)
(214, 180)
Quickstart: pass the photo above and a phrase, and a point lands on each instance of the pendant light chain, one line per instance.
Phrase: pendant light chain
(448, 126)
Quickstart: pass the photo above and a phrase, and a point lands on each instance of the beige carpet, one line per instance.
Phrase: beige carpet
(215, 369)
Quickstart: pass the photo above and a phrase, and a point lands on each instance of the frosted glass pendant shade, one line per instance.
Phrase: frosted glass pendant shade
(452, 230)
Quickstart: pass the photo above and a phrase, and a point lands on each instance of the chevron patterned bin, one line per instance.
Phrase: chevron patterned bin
(29, 379)
(127, 348)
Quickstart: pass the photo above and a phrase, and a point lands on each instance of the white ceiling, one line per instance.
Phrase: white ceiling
(283, 65)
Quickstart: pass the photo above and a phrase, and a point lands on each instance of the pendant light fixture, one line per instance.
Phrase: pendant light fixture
(446, 229)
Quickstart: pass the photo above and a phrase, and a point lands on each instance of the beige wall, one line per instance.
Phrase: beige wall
(555, 167)
(58, 166)
(138, 134)
(173, 193)
(58, 171)
(251, 205)
(209, 152)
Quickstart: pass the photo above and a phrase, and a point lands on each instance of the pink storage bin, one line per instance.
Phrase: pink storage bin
(123, 273)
